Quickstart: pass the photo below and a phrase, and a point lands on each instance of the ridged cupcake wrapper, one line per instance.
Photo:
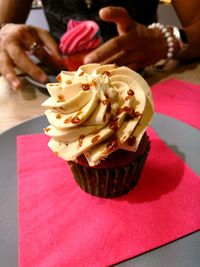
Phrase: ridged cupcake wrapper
(110, 182)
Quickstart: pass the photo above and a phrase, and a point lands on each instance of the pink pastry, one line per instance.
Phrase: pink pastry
(80, 38)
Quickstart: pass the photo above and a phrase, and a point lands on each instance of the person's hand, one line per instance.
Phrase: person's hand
(137, 46)
(16, 41)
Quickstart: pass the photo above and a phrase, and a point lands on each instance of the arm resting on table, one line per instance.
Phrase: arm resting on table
(15, 11)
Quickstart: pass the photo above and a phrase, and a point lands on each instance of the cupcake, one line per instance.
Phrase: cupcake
(98, 118)
(81, 37)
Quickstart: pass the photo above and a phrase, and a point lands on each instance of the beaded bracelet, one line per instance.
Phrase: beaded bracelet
(168, 36)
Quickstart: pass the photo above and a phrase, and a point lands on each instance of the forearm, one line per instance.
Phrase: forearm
(189, 15)
(15, 11)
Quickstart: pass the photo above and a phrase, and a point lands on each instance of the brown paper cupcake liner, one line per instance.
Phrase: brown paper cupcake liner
(109, 182)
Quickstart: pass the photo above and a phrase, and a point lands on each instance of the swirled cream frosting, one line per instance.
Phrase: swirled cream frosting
(97, 110)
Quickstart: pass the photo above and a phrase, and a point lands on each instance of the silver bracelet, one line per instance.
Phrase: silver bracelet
(168, 37)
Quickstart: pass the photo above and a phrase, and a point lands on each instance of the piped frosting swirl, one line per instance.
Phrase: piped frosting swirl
(96, 110)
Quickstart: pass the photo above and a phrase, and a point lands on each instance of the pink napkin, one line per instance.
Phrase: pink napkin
(60, 225)
(178, 99)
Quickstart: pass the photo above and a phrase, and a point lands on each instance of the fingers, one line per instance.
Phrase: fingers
(117, 45)
(15, 41)
(129, 59)
(115, 58)
(107, 50)
(117, 15)
(126, 49)
(113, 53)
(49, 42)
(46, 49)
(49, 52)
(13, 56)
(136, 66)
(8, 71)
(20, 59)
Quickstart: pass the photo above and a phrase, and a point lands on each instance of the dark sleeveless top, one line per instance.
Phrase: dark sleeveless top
(58, 13)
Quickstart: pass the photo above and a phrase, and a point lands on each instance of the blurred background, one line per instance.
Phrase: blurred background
(166, 14)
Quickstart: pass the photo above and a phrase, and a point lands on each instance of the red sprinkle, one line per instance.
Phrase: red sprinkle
(86, 86)
(131, 113)
(75, 119)
(68, 82)
(119, 111)
(47, 129)
(81, 73)
(137, 113)
(79, 112)
(106, 73)
(95, 139)
(58, 78)
(58, 116)
(113, 126)
(68, 120)
(128, 97)
(81, 140)
(105, 101)
(131, 140)
(114, 118)
(112, 146)
(130, 92)
(127, 109)
(61, 98)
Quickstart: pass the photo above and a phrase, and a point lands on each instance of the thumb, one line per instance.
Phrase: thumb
(117, 15)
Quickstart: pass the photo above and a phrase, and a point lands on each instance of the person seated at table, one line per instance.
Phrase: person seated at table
(126, 27)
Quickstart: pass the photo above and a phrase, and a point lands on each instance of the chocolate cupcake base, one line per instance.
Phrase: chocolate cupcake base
(110, 182)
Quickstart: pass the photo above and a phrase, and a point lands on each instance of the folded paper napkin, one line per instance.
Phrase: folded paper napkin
(178, 99)
(60, 225)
